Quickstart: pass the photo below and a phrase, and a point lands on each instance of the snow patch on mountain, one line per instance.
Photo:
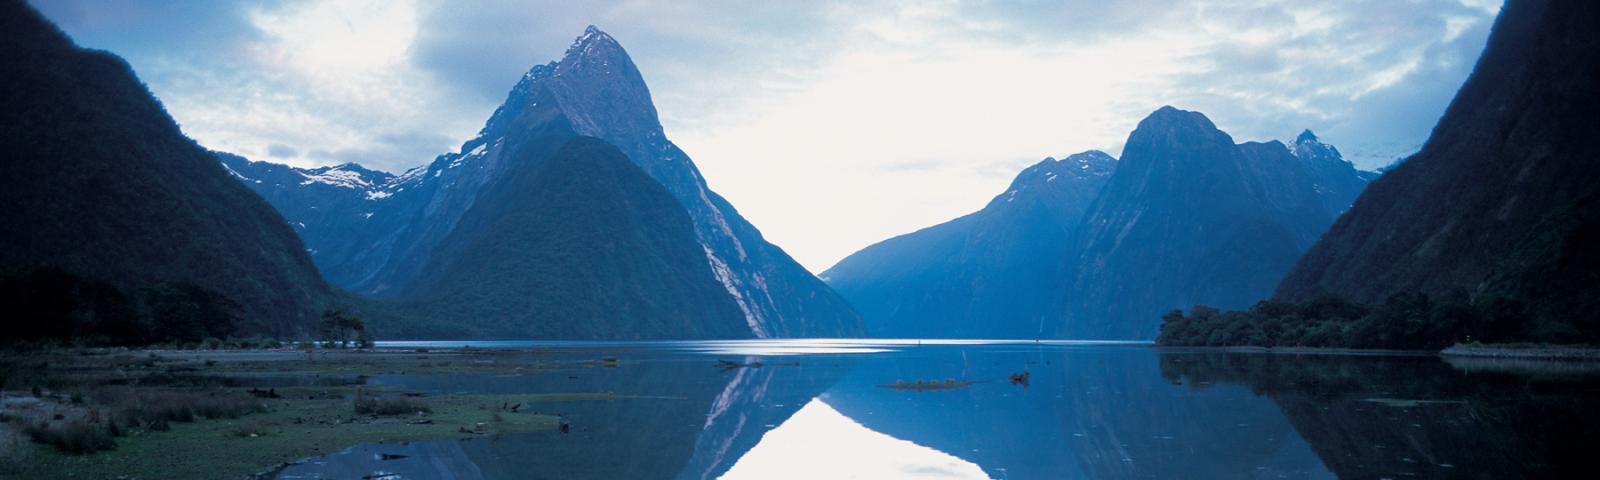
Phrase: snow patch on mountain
(724, 275)
(231, 171)
(337, 178)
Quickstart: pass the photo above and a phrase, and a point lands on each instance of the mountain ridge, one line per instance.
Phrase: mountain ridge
(978, 275)
(594, 90)
(1186, 214)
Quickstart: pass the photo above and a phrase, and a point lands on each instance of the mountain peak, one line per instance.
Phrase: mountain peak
(1170, 129)
(593, 42)
(1167, 118)
(1093, 162)
(1311, 149)
(594, 85)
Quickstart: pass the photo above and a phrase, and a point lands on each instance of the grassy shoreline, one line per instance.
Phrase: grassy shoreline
(127, 396)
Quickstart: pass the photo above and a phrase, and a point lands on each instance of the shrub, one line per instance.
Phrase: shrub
(372, 405)
(73, 437)
(154, 410)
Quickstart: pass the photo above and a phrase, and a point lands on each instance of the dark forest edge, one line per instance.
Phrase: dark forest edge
(1404, 321)
(79, 311)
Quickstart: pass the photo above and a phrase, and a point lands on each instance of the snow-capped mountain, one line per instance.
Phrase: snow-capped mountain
(378, 246)
(1337, 180)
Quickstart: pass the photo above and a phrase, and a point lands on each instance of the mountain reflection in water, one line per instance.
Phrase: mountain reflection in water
(819, 409)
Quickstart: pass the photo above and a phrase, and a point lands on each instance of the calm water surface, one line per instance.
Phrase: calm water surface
(819, 409)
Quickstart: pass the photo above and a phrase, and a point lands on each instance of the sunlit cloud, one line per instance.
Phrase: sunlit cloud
(338, 40)
(953, 124)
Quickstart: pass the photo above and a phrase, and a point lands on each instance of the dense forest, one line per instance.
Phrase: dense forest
(1406, 320)
(64, 308)
(100, 182)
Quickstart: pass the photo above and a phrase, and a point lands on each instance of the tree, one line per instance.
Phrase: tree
(337, 326)
(189, 313)
(363, 338)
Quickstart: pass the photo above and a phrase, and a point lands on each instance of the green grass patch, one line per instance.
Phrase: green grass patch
(306, 422)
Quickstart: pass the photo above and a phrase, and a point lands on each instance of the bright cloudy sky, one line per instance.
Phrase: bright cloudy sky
(830, 126)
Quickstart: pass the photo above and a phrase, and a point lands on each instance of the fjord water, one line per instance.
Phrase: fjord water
(822, 409)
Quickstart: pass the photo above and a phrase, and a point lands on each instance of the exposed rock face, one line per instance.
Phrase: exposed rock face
(595, 91)
(1337, 181)
(995, 273)
(601, 93)
(1502, 199)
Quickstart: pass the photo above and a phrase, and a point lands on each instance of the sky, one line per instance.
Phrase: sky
(830, 126)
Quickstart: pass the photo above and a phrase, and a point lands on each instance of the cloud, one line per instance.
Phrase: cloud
(921, 114)
(278, 150)
(883, 116)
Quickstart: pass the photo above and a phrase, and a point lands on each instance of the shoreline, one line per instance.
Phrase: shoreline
(1567, 353)
(1525, 352)
(1296, 350)
(249, 411)
(1548, 353)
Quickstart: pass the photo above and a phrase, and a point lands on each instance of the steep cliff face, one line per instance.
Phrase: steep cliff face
(1189, 217)
(99, 181)
(380, 245)
(577, 242)
(1501, 199)
(995, 273)
(603, 95)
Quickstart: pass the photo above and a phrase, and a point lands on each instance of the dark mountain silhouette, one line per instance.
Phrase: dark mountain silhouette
(1502, 199)
(100, 182)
